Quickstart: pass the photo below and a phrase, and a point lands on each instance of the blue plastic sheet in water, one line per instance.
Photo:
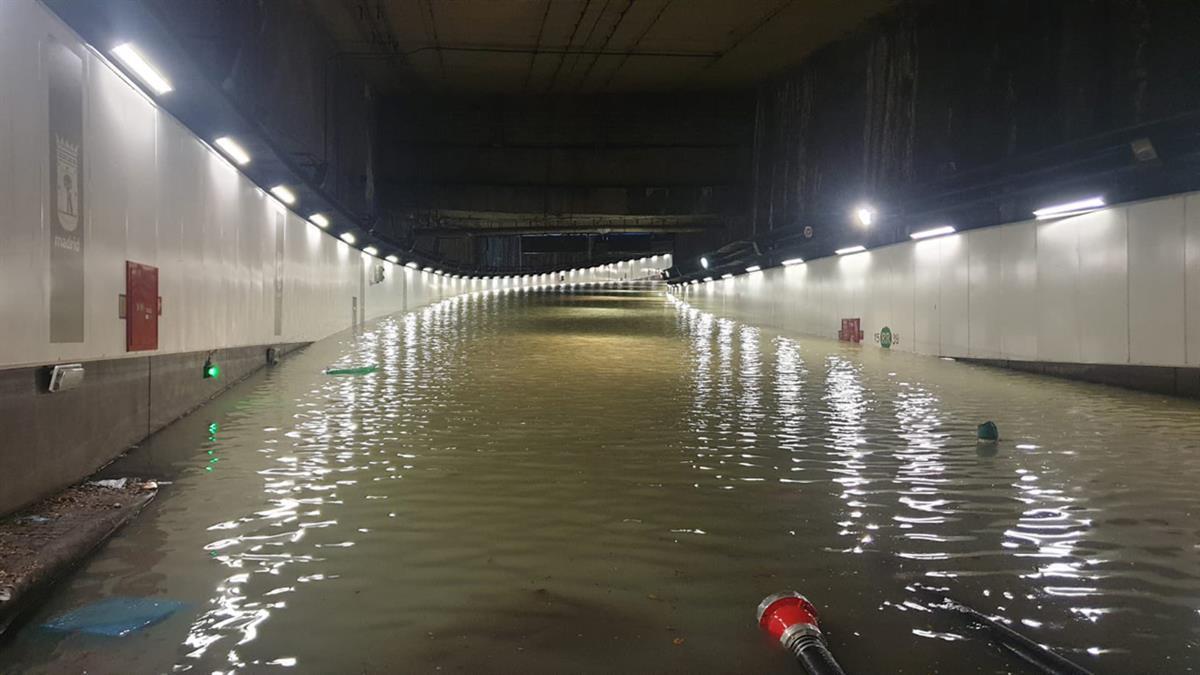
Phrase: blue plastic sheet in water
(114, 616)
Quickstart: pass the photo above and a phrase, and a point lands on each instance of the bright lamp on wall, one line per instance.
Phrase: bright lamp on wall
(232, 150)
(319, 220)
(284, 194)
(865, 215)
(1070, 208)
(932, 232)
(131, 58)
(348, 237)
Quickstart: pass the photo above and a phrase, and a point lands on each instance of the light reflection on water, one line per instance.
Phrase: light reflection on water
(537, 481)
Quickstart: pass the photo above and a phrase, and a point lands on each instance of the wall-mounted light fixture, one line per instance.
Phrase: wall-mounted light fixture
(284, 194)
(232, 150)
(1070, 208)
(850, 250)
(131, 58)
(212, 370)
(933, 232)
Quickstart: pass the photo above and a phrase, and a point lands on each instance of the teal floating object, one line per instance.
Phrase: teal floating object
(988, 431)
(114, 617)
(361, 370)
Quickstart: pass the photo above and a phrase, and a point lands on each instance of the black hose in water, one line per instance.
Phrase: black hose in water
(1043, 658)
(812, 653)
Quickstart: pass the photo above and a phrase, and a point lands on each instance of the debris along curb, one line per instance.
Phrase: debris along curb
(40, 544)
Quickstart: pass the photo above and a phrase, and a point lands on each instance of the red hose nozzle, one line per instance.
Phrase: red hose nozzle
(790, 618)
(784, 614)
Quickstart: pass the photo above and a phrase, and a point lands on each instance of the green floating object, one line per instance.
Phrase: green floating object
(988, 431)
(362, 370)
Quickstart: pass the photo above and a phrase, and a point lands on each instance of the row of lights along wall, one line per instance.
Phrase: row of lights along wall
(158, 85)
(866, 217)
(136, 64)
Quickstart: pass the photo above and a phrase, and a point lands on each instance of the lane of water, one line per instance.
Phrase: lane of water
(609, 480)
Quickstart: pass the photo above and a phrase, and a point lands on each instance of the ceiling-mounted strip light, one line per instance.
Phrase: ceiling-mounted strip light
(1070, 208)
(371, 250)
(850, 249)
(727, 275)
(232, 150)
(392, 259)
(319, 220)
(132, 59)
(754, 268)
(933, 232)
(348, 237)
(792, 261)
(284, 194)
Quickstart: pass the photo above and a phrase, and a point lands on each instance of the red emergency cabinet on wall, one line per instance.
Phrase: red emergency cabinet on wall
(851, 331)
(142, 307)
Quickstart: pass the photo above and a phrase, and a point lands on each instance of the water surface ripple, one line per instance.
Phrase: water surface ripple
(609, 480)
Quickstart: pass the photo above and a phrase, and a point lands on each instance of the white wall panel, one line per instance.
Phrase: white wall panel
(927, 271)
(901, 294)
(1058, 272)
(1102, 289)
(955, 303)
(987, 289)
(1017, 305)
(877, 293)
(1157, 282)
(22, 152)
(1192, 289)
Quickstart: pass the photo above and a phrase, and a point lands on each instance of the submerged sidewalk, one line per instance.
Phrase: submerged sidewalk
(43, 542)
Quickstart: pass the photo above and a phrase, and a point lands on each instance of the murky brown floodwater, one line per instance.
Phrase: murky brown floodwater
(574, 482)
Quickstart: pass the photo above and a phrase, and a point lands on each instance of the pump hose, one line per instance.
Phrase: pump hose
(811, 652)
(1046, 660)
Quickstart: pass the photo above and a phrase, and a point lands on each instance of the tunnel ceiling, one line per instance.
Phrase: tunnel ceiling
(582, 46)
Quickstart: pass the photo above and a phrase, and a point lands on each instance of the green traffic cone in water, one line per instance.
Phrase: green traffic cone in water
(988, 432)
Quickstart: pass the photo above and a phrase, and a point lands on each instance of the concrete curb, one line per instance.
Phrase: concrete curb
(65, 550)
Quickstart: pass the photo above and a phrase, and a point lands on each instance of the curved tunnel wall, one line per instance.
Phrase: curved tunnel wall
(1112, 296)
(237, 271)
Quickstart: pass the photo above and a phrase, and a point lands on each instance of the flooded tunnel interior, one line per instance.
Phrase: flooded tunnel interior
(660, 471)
